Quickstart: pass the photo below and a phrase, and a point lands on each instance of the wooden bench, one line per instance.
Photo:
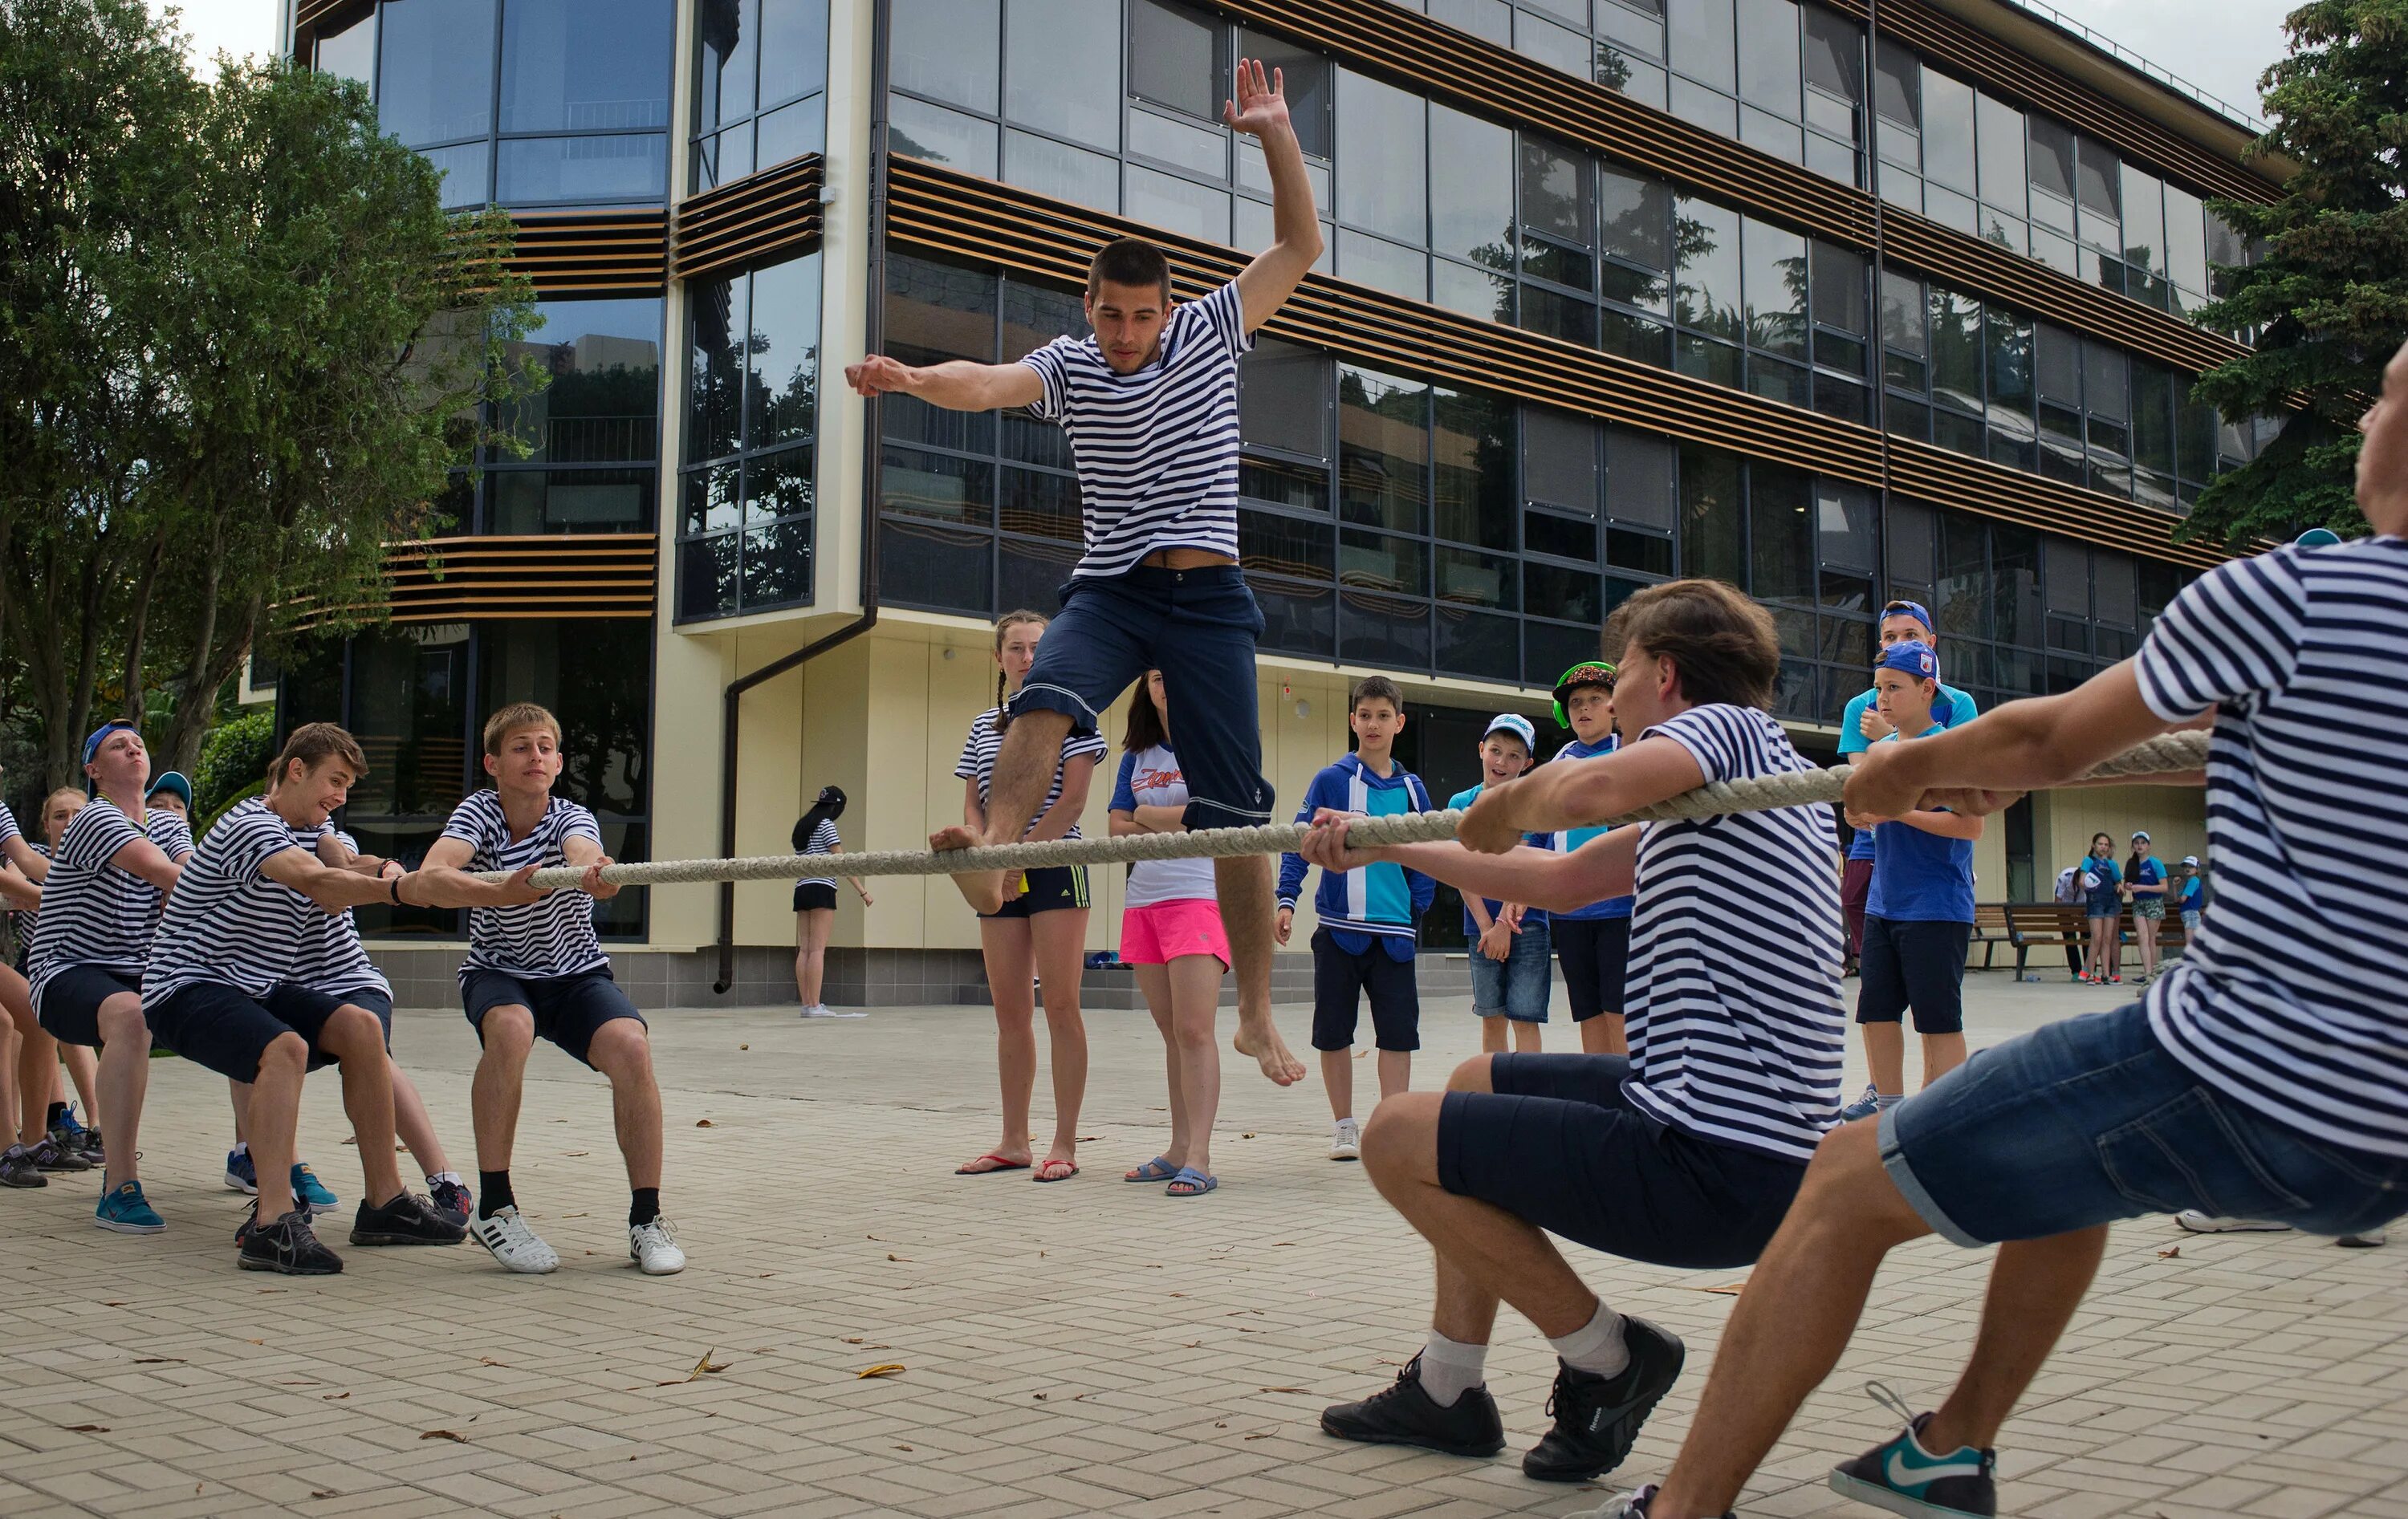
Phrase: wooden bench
(2042, 925)
(1989, 929)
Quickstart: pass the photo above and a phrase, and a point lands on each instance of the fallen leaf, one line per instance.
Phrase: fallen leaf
(350, 1138)
(1282, 1244)
(706, 1364)
(1363, 1054)
(1245, 1136)
(85, 1429)
(572, 1215)
(854, 1340)
(332, 1397)
(746, 1047)
(160, 1360)
(1219, 1425)
(259, 1341)
(1287, 1389)
(576, 1155)
(704, 1123)
(112, 1305)
(487, 1360)
(890, 1255)
(2175, 1254)
(1264, 1435)
(902, 1447)
(453, 1435)
(322, 1492)
(884, 1368)
(1039, 1397)
(1086, 1139)
(1728, 1289)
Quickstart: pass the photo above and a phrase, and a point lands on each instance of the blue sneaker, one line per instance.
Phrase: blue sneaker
(123, 1210)
(1905, 1477)
(1864, 1106)
(241, 1175)
(309, 1192)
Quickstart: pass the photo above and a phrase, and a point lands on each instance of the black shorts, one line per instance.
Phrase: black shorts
(1596, 957)
(1913, 964)
(1340, 980)
(568, 1009)
(364, 996)
(68, 1009)
(226, 1030)
(1557, 1145)
(1050, 890)
(813, 893)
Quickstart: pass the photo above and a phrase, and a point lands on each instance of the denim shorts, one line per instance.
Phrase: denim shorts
(1519, 985)
(2090, 1119)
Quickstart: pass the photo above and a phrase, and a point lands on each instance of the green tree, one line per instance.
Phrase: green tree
(2330, 297)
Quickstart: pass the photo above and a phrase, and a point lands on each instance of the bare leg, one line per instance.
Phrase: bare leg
(12, 1046)
(413, 1125)
(37, 1067)
(1023, 772)
(1338, 1079)
(275, 1117)
(1395, 1072)
(1059, 941)
(1248, 906)
(1528, 1039)
(355, 1038)
(125, 1077)
(1492, 1036)
(2035, 1286)
(1941, 1053)
(1885, 1053)
(1153, 984)
(493, 1093)
(1603, 1035)
(1195, 1003)
(238, 1096)
(1010, 961)
(2145, 930)
(83, 1069)
(811, 929)
(622, 1052)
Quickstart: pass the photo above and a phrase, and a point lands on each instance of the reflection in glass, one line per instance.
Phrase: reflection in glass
(794, 50)
(350, 53)
(1770, 69)
(612, 168)
(950, 49)
(1710, 528)
(1709, 298)
(1472, 468)
(1948, 131)
(941, 136)
(580, 671)
(1382, 450)
(527, 501)
(1178, 58)
(1472, 160)
(585, 65)
(1061, 171)
(1703, 40)
(603, 398)
(1180, 206)
(1384, 186)
(1051, 43)
(1775, 286)
(435, 83)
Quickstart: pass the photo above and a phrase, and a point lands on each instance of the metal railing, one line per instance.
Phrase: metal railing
(2126, 56)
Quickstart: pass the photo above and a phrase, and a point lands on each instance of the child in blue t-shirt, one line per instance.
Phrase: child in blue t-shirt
(1592, 942)
(1364, 948)
(1512, 972)
(2193, 896)
(2144, 887)
(2103, 891)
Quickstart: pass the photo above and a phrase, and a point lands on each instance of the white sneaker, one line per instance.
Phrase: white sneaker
(514, 1243)
(654, 1246)
(1346, 1141)
(2363, 1239)
(821, 1009)
(2199, 1223)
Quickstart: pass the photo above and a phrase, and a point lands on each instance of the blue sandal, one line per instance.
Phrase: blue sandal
(1195, 1181)
(1156, 1169)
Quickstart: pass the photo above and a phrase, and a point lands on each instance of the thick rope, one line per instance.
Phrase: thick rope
(2168, 754)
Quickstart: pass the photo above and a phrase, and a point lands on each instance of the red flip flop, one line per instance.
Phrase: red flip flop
(1041, 1175)
(1001, 1164)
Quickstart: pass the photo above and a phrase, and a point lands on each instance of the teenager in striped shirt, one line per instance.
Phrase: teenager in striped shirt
(1151, 406)
(2264, 1076)
(47, 1115)
(1687, 1152)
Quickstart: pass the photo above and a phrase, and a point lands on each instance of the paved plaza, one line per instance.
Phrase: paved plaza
(1088, 1347)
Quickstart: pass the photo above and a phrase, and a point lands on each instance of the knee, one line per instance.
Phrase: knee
(1401, 1138)
(287, 1054)
(619, 1049)
(509, 1032)
(122, 1023)
(1471, 1076)
(1848, 1193)
(1195, 1036)
(353, 1031)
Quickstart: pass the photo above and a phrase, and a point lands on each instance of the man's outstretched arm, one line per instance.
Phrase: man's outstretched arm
(956, 385)
(1260, 111)
(1982, 766)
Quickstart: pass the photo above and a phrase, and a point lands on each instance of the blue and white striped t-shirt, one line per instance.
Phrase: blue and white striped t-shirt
(823, 840)
(93, 912)
(2303, 653)
(535, 941)
(978, 762)
(227, 923)
(329, 957)
(1735, 1022)
(1157, 451)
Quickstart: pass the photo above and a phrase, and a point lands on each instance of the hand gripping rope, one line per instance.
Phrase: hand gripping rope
(2170, 753)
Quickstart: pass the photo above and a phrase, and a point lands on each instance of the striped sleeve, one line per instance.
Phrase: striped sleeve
(824, 838)
(1055, 376)
(242, 844)
(95, 836)
(8, 828)
(966, 768)
(1714, 739)
(2232, 633)
(1224, 314)
(1084, 746)
(172, 833)
(576, 823)
(466, 823)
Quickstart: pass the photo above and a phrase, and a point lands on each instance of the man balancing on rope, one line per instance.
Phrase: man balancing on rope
(2253, 1081)
(1150, 405)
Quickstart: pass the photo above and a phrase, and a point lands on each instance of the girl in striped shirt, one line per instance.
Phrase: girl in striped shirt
(815, 903)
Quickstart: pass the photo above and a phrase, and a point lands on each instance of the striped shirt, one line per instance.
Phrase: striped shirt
(823, 840)
(1157, 451)
(548, 938)
(227, 923)
(93, 912)
(330, 957)
(1736, 1025)
(2303, 653)
(24, 921)
(978, 762)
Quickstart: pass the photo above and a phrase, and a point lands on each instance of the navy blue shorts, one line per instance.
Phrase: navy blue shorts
(2090, 1119)
(226, 1030)
(68, 1009)
(810, 894)
(1913, 964)
(1198, 627)
(364, 997)
(1341, 982)
(1048, 889)
(1558, 1145)
(1595, 956)
(568, 1009)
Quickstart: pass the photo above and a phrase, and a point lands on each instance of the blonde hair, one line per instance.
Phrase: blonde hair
(518, 715)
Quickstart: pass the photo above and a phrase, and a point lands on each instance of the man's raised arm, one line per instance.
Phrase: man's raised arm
(1260, 111)
(956, 385)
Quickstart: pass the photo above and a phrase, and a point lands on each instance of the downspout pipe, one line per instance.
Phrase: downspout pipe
(732, 699)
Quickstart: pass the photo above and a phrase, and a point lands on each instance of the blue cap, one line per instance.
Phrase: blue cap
(1915, 659)
(2319, 537)
(1909, 609)
(1517, 725)
(171, 780)
(99, 735)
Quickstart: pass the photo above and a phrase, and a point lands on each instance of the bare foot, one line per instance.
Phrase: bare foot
(1000, 1159)
(1259, 1038)
(982, 889)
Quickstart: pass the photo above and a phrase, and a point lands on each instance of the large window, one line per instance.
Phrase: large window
(592, 434)
(417, 696)
(745, 493)
(760, 95)
(521, 101)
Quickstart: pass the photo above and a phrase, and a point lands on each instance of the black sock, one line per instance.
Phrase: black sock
(493, 1192)
(58, 1111)
(646, 1207)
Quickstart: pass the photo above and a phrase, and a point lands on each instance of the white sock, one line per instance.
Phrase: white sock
(1450, 1368)
(242, 1147)
(452, 1177)
(1596, 1347)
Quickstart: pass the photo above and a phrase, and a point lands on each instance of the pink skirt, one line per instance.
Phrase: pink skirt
(1157, 935)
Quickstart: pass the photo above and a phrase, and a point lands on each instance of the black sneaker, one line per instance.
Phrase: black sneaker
(289, 1247)
(48, 1154)
(453, 1200)
(17, 1168)
(1904, 1477)
(1404, 1415)
(408, 1220)
(1597, 1418)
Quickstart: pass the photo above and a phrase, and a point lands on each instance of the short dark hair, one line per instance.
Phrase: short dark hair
(1129, 261)
(1144, 729)
(1722, 642)
(1376, 688)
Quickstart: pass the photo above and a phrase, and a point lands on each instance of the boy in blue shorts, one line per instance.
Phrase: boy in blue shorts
(1364, 948)
(1862, 724)
(1512, 978)
(1920, 909)
(1593, 939)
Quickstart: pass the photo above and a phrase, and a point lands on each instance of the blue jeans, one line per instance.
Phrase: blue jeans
(1517, 986)
(2090, 1119)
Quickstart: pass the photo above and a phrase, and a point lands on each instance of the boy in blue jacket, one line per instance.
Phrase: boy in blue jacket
(1365, 943)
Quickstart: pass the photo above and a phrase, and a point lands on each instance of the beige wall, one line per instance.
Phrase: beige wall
(2063, 821)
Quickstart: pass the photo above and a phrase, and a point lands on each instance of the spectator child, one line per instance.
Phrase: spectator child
(1511, 976)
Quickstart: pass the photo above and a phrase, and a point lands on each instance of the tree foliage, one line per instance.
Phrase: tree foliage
(244, 348)
(2329, 298)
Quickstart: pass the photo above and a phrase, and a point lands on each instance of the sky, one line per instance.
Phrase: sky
(2219, 45)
